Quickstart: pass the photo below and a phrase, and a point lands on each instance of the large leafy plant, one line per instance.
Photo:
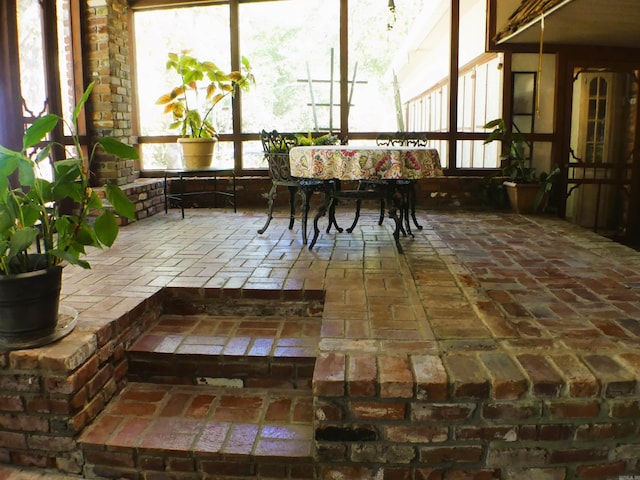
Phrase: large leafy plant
(65, 215)
(202, 86)
(515, 165)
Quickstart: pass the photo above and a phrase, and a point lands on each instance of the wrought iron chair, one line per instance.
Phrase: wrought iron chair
(406, 188)
(276, 148)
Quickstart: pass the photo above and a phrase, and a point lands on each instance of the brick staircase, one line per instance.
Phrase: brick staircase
(211, 396)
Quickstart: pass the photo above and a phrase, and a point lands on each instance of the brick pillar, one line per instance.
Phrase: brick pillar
(106, 27)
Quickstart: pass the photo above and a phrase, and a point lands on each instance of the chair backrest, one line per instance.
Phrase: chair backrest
(276, 148)
(402, 139)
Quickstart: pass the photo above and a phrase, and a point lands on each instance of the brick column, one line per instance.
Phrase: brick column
(107, 43)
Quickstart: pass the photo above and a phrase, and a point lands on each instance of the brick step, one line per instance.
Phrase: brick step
(194, 432)
(244, 351)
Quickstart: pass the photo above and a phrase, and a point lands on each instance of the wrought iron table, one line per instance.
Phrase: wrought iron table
(393, 165)
(210, 176)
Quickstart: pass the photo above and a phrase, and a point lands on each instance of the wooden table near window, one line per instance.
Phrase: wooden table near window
(390, 165)
(180, 179)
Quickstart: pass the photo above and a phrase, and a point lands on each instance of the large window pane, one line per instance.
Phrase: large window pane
(204, 32)
(32, 73)
(291, 58)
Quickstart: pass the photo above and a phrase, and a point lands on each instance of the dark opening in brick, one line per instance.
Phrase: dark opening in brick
(347, 434)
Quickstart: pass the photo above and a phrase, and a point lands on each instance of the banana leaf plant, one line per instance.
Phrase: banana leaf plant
(32, 212)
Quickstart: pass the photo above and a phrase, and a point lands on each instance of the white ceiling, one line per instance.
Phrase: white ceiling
(614, 23)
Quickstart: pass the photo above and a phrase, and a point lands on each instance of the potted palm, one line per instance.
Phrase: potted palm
(527, 191)
(40, 231)
(191, 103)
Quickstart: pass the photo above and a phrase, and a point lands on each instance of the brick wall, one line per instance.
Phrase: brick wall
(480, 415)
(48, 395)
(107, 43)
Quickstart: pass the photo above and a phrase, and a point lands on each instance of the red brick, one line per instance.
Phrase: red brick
(362, 375)
(485, 432)
(329, 377)
(11, 403)
(396, 380)
(607, 470)
(616, 380)
(352, 473)
(577, 455)
(467, 376)
(180, 465)
(428, 473)
(13, 440)
(574, 409)
(624, 408)
(400, 473)
(508, 381)
(99, 380)
(32, 460)
(51, 444)
(450, 455)
(605, 431)
(431, 377)
(24, 423)
(544, 379)
(379, 410)
(546, 432)
(416, 433)
(328, 411)
(512, 410)
(441, 411)
(580, 380)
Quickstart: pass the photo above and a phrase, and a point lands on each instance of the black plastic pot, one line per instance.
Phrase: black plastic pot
(29, 303)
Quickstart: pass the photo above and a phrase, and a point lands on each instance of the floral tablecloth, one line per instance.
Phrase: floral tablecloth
(364, 163)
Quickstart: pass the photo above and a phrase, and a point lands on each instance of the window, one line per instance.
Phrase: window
(396, 77)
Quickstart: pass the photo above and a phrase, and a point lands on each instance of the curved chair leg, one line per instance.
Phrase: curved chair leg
(332, 217)
(271, 197)
(322, 211)
(412, 205)
(355, 219)
(305, 195)
(393, 214)
(292, 205)
(381, 219)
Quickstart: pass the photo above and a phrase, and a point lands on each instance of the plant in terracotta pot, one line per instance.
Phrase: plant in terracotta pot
(45, 224)
(192, 102)
(527, 190)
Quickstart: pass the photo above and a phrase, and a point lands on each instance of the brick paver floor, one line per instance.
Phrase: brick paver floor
(467, 281)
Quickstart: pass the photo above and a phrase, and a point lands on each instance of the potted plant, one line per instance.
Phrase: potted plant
(191, 103)
(40, 231)
(527, 191)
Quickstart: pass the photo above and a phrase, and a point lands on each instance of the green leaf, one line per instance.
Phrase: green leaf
(8, 162)
(119, 201)
(116, 147)
(39, 129)
(30, 215)
(106, 228)
(81, 102)
(69, 258)
(6, 222)
(22, 239)
(26, 173)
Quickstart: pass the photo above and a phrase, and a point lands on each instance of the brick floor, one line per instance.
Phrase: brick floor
(492, 305)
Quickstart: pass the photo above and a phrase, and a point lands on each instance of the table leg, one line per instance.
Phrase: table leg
(393, 214)
(327, 204)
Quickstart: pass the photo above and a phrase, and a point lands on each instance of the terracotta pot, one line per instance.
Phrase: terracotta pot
(197, 153)
(29, 303)
(522, 196)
